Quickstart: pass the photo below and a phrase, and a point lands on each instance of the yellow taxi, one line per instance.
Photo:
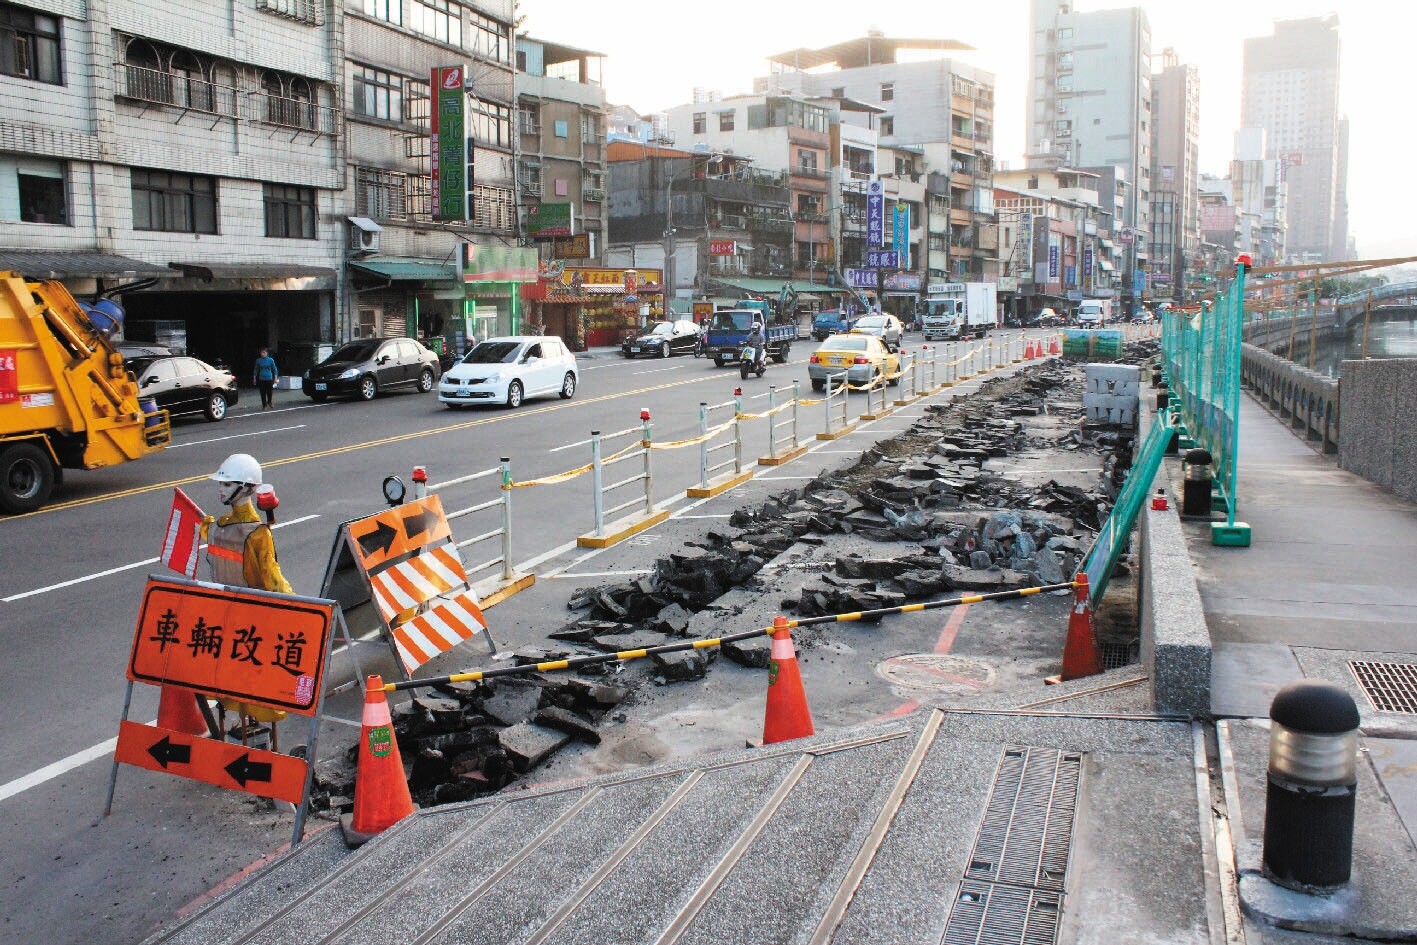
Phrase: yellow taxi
(859, 357)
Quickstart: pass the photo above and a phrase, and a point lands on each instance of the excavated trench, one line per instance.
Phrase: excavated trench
(961, 503)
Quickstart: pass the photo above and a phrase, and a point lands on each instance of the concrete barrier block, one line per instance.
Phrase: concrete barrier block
(1175, 641)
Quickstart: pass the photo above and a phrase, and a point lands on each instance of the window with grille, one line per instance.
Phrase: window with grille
(378, 94)
(725, 121)
(174, 203)
(29, 45)
(493, 207)
(489, 123)
(380, 194)
(700, 122)
(420, 196)
(887, 91)
(388, 10)
(308, 12)
(440, 19)
(291, 212)
(529, 119)
(290, 100)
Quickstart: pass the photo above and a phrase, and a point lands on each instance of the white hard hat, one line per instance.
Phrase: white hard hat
(239, 467)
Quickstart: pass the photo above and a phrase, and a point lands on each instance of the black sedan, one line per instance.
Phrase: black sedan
(661, 339)
(365, 368)
(183, 385)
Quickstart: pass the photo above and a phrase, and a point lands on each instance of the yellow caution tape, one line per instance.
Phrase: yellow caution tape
(572, 473)
(676, 444)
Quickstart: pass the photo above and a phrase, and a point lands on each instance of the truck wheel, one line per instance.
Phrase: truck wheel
(718, 360)
(26, 478)
(781, 356)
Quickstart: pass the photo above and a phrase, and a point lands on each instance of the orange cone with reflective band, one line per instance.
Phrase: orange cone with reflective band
(1080, 655)
(177, 711)
(787, 715)
(381, 797)
(1055, 347)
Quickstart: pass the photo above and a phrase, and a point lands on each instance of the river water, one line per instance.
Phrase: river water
(1390, 339)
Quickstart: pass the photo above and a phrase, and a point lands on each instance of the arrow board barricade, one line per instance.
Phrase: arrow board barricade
(251, 646)
(414, 576)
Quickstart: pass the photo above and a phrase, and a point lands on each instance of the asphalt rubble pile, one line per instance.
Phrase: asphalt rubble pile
(948, 525)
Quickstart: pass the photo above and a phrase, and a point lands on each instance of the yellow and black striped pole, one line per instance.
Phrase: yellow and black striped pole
(626, 655)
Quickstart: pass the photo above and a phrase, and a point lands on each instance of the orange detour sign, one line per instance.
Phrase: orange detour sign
(399, 531)
(225, 764)
(244, 645)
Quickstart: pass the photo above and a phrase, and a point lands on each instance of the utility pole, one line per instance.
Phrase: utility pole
(671, 273)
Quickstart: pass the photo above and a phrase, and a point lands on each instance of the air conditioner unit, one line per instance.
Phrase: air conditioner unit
(364, 236)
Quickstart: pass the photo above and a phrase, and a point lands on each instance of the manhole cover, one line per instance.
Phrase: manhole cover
(936, 672)
(1391, 687)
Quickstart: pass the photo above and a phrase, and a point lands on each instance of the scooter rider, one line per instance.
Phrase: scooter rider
(758, 338)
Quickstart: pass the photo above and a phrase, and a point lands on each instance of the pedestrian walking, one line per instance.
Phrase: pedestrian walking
(264, 375)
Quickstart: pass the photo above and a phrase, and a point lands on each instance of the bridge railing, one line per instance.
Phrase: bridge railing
(1202, 355)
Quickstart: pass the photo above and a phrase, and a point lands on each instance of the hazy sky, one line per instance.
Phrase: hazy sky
(657, 52)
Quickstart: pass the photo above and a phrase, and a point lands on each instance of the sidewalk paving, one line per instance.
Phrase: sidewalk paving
(1327, 580)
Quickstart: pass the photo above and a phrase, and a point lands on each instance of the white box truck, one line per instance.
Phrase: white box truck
(959, 309)
(1094, 313)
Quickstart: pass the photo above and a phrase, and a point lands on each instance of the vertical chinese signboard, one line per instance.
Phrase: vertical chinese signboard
(9, 376)
(900, 233)
(448, 160)
(240, 645)
(875, 215)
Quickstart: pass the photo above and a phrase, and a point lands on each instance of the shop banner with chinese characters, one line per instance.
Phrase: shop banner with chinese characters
(447, 161)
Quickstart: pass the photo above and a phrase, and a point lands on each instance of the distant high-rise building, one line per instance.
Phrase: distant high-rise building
(1342, 243)
(1090, 105)
(1291, 91)
(1175, 156)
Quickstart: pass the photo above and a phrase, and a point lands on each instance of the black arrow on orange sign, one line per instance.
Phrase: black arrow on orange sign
(416, 523)
(243, 769)
(380, 539)
(165, 752)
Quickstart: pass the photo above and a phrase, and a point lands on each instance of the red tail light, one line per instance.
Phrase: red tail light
(813, 360)
(860, 359)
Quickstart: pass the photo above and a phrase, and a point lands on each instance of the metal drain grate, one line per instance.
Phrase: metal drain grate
(1012, 892)
(1390, 687)
(1118, 653)
(1028, 825)
(991, 914)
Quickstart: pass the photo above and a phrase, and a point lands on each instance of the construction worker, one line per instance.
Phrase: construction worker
(242, 553)
(240, 548)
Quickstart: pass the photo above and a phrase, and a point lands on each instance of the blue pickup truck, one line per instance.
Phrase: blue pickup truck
(728, 332)
(831, 322)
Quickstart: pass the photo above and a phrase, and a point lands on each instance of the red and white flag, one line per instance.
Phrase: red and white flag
(183, 536)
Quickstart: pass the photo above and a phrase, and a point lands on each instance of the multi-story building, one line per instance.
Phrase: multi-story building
(1291, 85)
(906, 107)
(404, 261)
(1257, 185)
(1175, 160)
(1090, 105)
(561, 163)
(200, 146)
(723, 224)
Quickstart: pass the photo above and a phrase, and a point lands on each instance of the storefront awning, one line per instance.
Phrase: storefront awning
(774, 286)
(1104, 264)
(40, 265)
(250, 276)
(1105, 244)
(407, 268)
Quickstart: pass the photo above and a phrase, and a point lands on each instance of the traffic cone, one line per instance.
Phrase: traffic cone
(787, 715)
(381, 797)
(1055, 347)
(177, 711)
(1080, 655)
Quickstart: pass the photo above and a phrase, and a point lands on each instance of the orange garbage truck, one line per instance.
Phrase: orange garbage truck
(66, 400)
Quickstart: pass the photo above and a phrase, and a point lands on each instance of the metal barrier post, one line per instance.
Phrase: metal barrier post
(772, 421)
(737, 430)
(796, 396)
(703, 445)
(596, 478)
(506, 518)
(645, 445)
(828, 403)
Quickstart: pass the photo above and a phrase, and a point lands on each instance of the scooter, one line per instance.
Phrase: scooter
(748, 361)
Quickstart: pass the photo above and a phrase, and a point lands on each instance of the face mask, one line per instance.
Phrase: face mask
(230, 492)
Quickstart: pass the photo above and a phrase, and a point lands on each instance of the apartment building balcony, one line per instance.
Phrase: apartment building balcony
(771, 225)
(961, 216)
(594, 194)
(182, 94)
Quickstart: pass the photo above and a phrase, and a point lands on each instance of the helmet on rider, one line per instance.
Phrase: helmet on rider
(237, 477)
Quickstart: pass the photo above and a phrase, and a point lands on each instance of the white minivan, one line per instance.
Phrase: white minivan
(1094, 312)
(508, 370)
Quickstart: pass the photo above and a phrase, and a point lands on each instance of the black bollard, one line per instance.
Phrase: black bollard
(1195, 490)
(1163, 400)
(1173, 445)
(1313, 787)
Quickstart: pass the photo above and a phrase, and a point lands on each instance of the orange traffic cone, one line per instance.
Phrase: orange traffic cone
(1055, 348)
(787, 715)
(1080, 655)
(177, 711)
(381, 797)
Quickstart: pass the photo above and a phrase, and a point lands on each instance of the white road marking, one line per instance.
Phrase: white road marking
(51, 771)
(601, 574)
(655, 371)
(222, 439)
(121, 568)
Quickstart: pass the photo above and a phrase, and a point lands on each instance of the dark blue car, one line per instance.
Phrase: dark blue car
(831, 322)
